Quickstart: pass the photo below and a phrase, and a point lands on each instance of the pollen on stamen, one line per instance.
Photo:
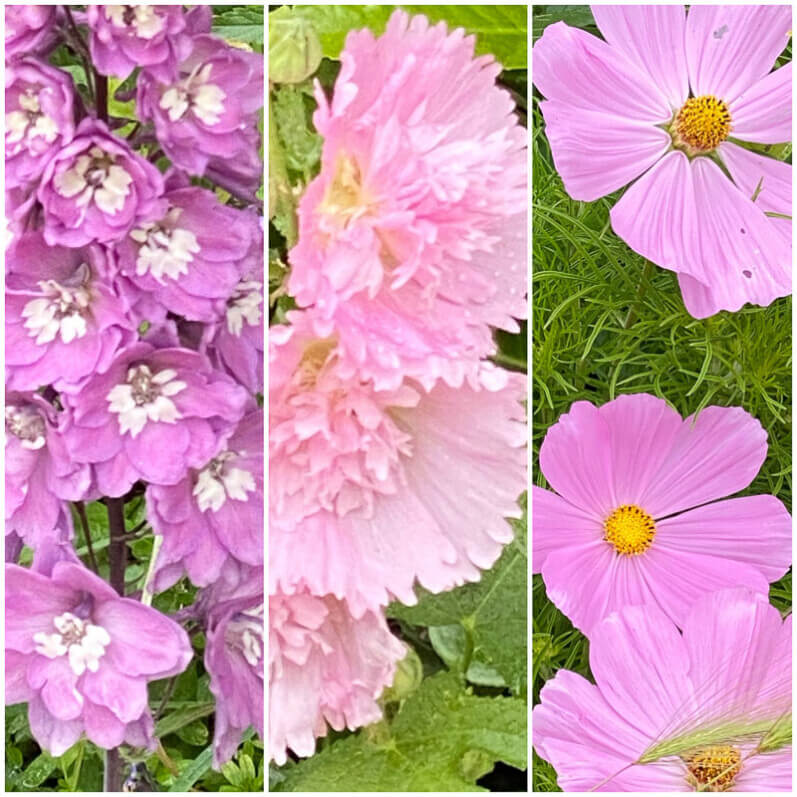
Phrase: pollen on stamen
(701, 125)
(629, 529)
(713, 768)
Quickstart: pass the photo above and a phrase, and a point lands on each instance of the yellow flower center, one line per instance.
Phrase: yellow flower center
(629, 529)
(701, 125)
(345, 198)
(713, 768)
(314, 358)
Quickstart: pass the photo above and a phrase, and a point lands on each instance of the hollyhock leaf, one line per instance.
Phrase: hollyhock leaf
(302, 145)
(294, 51)
(397, 756)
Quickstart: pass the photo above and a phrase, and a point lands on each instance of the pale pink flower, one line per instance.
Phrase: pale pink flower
(412, 240)
(729, 672)
(325, 668)
(661, 99)
(371, 489)
(635, 516)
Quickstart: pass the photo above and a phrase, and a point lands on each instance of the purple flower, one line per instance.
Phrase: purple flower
(234, 659)
(212, 520)
(39, 473)
(81, 657)
(152, 415)
(63, 322)
(191, 258)
(124, 37)
(39, 117)
(209, 111)
(29, 29)
(96, 189)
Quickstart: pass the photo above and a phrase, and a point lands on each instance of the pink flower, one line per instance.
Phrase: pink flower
(412, 238)
(660, 100)
(635, 516)
(325, 667)
(729, 671)
(371, 489)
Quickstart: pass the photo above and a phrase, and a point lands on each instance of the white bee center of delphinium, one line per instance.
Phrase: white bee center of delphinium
(220, 480)
(96, 177)
(145, 20)
(195, 93)
(145, 396)
(245, 634)
(61, 311)
(29, 122)
(244, 306)
(82, 642)
(26, 424)
(165, 249)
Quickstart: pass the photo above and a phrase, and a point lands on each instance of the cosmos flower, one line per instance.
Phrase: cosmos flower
(212, 519)
(671, 713)
(412, 239)
(30, 29)
(325, 668)
(152, 415)
(96, 189)
(665, 101)
(370, 489)
(80, 657)
(636, 517)
(64, 322)
(39, 117)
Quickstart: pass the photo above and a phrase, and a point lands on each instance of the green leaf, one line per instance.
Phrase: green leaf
(294, 51)
(242, 24)
(182, 717)
(38, 771)
(301, 144)
(575, 16)
(500, 30)
(194, 771)
(442, 739)
(492, 610)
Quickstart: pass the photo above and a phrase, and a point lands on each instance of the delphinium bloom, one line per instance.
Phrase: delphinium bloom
(81, 657)
(63, 322)
(189, 259)
(636, 517)
(372, 489)
(326, 667)
(39, 117)
(234, 658)
(661, 100)
(412, 237)
(153, 414)
(670, 713)
(96, 188)
(209, 110)
(30, 29)
(124, 37)
(212, 519)
(39, 474)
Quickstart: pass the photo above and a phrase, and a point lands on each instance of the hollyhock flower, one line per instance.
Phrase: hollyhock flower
(370, 490)
(636, 517)
(661, 101)
(671, 713)
(208, 109)
(39, 117)
(96, 189)
(234, 659)
(152, 415)
(124, 37)
(39, 473)
(412, 239)
(29, 29)
(325, 667)
(212, 519)
(191, 258)
(63, 321)
(81, 657)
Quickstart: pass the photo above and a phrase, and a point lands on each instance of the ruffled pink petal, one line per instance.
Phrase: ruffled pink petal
(102, 726)
(763, 113)
(578, 69)
(698, 298)
(596, 153)
(54, 735)
(766, 773)
(729, 48)
(714, 455)
(16, 689)
(706, 228)
(558, 524)
(652, 38)
(755, 529)
(126, 697)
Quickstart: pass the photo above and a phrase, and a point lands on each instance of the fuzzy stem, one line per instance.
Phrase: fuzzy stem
(84, 522)
(101, 83)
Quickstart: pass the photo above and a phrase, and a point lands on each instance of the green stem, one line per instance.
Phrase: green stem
(647, 273)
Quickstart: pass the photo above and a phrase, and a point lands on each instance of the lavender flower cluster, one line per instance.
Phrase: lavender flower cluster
(133, 363)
